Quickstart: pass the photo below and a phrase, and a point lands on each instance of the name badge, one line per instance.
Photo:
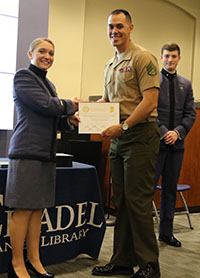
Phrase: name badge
(181, 87)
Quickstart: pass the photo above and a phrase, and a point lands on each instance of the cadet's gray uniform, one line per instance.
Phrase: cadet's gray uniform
(133, 157)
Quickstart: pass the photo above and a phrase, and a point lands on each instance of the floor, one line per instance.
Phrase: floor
(181, 262)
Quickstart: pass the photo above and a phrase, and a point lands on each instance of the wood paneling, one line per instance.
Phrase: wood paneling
(190, 172)
(104, 166)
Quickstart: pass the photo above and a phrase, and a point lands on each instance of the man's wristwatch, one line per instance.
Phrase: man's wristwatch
(124, 126)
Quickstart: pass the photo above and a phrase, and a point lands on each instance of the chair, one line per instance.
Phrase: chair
(155, 212)
(180, 189)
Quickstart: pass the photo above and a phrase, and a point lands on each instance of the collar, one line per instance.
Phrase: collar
(167, 74)
(40, 72)
(126, 55)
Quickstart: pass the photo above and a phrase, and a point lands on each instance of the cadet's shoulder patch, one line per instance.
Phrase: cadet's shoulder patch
(151, 69)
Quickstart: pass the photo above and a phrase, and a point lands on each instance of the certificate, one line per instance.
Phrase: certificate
(97, 116)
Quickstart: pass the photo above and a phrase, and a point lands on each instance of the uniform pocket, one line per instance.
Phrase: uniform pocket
(125, 76)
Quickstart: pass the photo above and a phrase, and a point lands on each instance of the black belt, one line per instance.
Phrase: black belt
(149, 119)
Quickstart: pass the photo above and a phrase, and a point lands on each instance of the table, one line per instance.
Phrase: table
(76, 225)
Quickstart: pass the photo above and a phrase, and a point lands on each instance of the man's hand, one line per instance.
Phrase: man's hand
(171, 137)
(74, 119)
(112, 131)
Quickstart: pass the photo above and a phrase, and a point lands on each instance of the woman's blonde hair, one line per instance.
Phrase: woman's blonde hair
(37, 41)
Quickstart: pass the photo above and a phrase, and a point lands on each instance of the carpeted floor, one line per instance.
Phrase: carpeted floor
(181, 262)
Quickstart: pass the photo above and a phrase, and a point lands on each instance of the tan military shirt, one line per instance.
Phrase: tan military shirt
(125, 79)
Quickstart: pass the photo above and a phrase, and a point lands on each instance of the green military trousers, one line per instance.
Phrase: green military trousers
(132, 160)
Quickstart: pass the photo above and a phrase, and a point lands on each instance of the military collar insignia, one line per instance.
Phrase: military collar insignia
(168, 74)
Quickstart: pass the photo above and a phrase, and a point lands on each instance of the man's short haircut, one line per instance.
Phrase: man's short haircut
(126, 13)
(171, 46)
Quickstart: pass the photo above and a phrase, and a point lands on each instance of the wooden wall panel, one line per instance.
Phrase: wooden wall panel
(190, 172)
(104, 166)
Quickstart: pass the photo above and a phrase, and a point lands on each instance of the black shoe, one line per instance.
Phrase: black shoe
(11, 272)
(111, 269)
(41, 275)
(148, 272)
(170, 240)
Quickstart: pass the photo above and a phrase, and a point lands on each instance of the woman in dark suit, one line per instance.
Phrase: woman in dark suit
(32, 168)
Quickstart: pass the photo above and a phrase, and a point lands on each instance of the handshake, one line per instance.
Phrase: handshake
(75, 119)
(75, 102)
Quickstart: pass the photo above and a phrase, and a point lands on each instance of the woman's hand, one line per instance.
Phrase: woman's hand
(75, 102)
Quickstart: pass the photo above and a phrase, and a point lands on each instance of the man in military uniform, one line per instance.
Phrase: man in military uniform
(176, 116)
(132, 79)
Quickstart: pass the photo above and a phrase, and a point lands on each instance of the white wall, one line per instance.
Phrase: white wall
(78, 29)
(193, 7)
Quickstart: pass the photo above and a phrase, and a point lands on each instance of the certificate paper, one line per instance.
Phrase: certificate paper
(97, 116)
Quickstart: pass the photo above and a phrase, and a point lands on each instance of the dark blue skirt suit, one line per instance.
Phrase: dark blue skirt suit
(32, 149)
